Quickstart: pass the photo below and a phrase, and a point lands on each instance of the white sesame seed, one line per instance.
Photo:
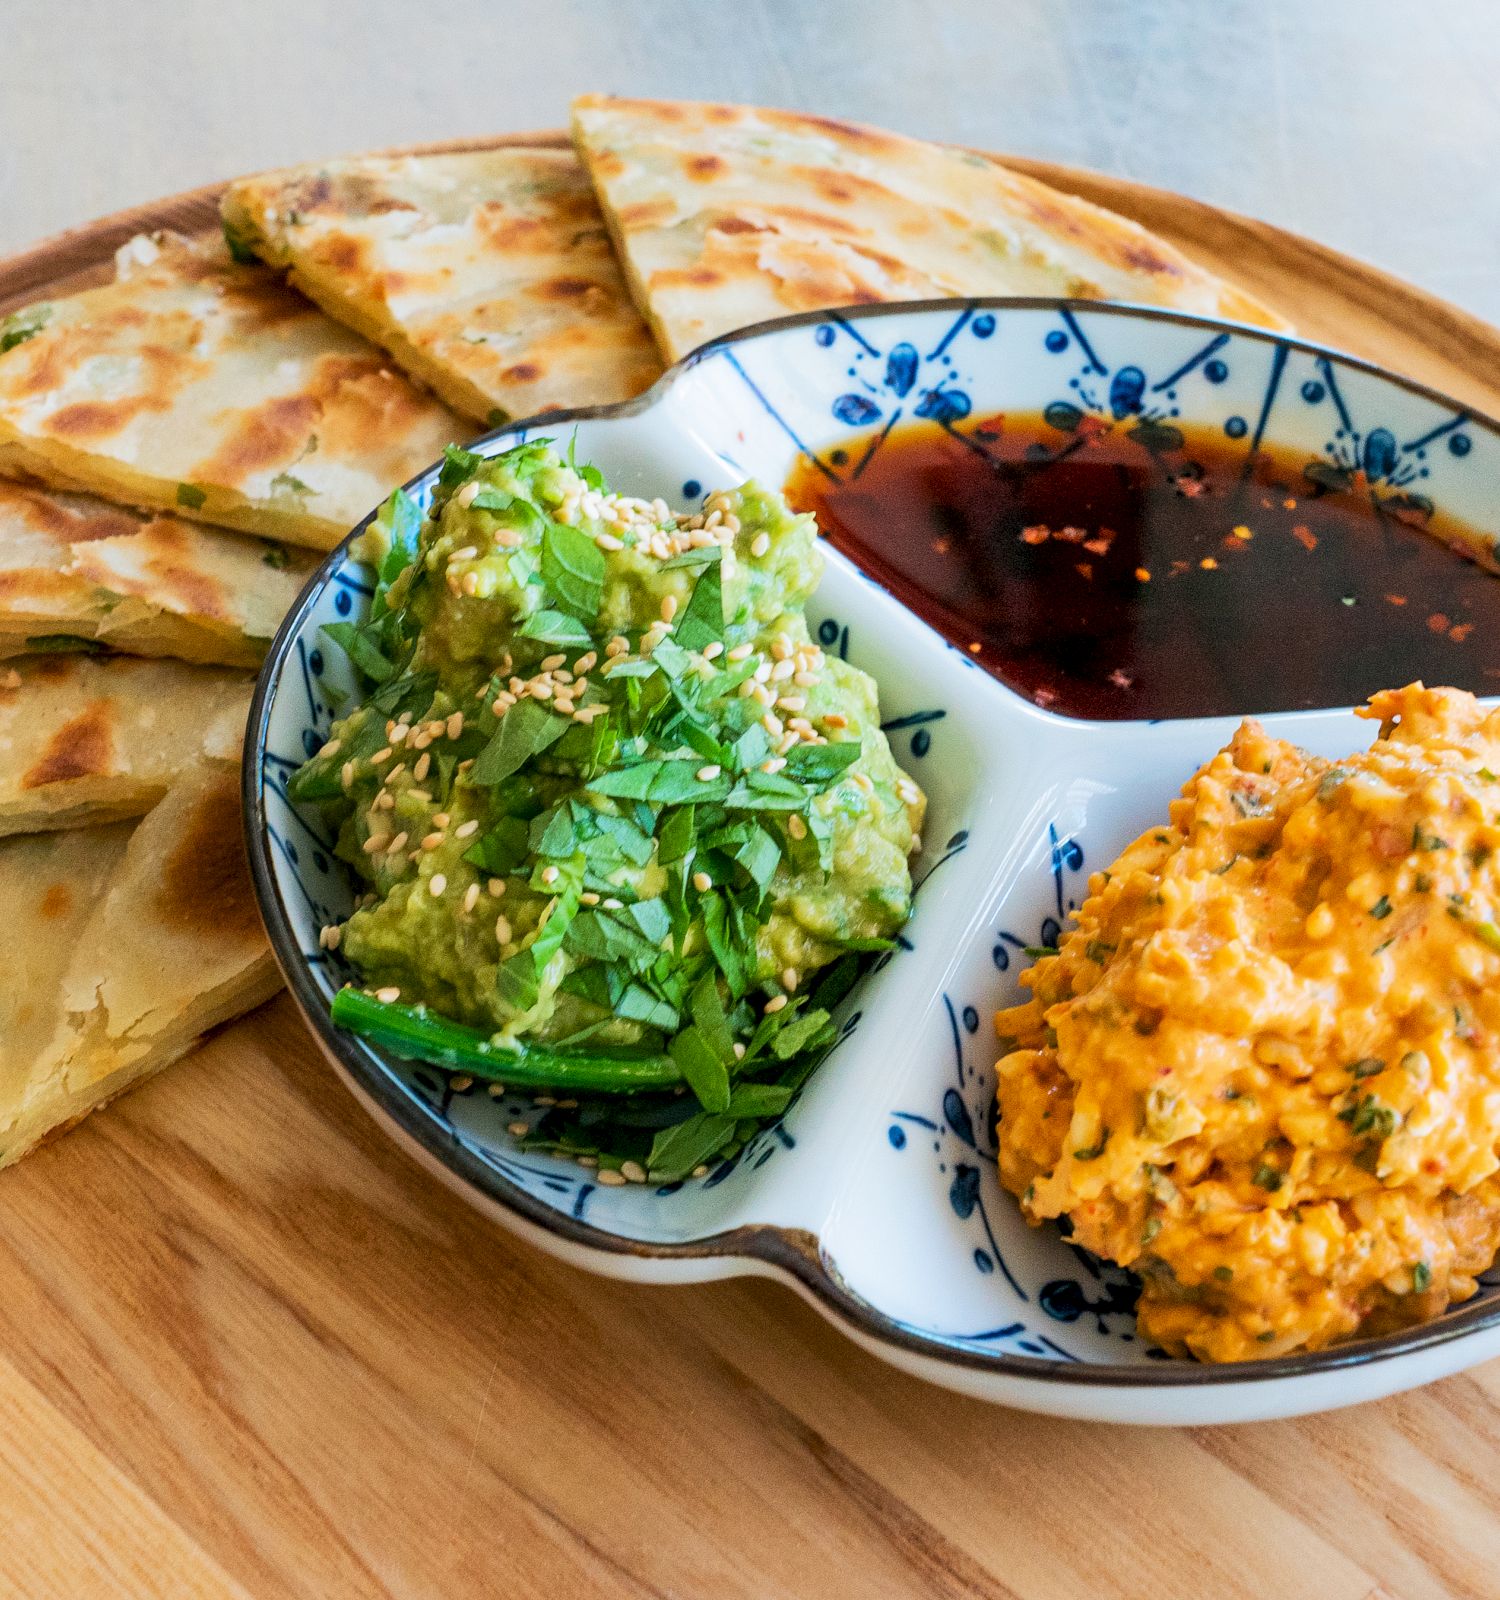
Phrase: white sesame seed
(421, 740)
(329, 937)
(422, 767)
(760, 544)
(455, 724)
(607, 541)
(632, 1172)
(540, 689)
(864, 783)
(375, 843)
(389, 995)
(496, 887)
(564, 703)
(468, 553)
(432, 840)
(346, 774)
(775, 1004)
(772, 724)
(466, 495)
(708, 774)
(762, 672)
(587, 714)
(549, 875)
(668, 607)
(471, 897)
(702, 882)
(586, 662)
(398, 842)
(782, 670)
(496, 1091)
(781, 647)
(740, 652)
(739, 1050)
(789, 978)
(792, 702)
(502, 929)
(712, 650)
(836, 719)
(461, 1082)
(436, 884)
(617, 646)
(762, 694)
(795, 825)
(588, 898)
(553, 661)
(381, 755)
(612, 1179)
(331, 748)
(774, 765)
(804, 679)
(507, 538)
(518, 1130)
(469, 583)
(611, 903)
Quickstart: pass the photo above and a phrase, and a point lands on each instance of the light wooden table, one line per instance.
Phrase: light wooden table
(262, 1364)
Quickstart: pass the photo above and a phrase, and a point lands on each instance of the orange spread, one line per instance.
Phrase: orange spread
(1263, 1069)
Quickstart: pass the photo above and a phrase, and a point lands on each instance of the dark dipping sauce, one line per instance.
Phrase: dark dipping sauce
(1134, 571)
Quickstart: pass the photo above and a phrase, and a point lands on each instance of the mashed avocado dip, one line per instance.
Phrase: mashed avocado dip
(626, 831)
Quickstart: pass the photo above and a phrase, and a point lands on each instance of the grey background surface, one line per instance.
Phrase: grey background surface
(1372, 124)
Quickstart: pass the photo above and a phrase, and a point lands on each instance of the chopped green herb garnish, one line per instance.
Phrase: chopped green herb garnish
(1268, 1178)
(1381, 909)
(588, 849)
(1093, 1151)
(22, 325)
(191, 496)
(1421, 1277)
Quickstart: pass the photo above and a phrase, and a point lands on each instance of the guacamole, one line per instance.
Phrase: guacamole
(625, 829)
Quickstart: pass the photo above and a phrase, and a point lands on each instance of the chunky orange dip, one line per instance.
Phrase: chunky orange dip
(1263, 1069)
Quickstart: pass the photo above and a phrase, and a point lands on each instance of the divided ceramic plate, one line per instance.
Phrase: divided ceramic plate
(877, 1195)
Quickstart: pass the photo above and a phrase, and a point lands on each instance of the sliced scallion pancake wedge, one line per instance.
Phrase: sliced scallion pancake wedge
(196, 385)
(486, 274)
(728, 215)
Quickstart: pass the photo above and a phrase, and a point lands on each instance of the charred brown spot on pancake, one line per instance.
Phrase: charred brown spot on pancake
(522, 372)
(607, 163)
(204, 882)
(312, 193)
(819, 220)
(340, 252)
(704, 169)
(735, 225)
(269, 435)
(506, 230)
(686, 278)
(56, 901)
(722, 113)
(365, 410)
(39, 585)
(563, 289)
(646, 214)
(82, 748)
(851, 134)
(1140, 257)
(842, 187)
(98, 419)
(171, 577)
(378, 208)
(55, 669)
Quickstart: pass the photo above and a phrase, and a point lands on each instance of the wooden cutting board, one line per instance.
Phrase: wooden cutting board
(246, 1347)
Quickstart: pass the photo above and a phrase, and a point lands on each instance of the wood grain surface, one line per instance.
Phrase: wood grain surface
(250, 1349)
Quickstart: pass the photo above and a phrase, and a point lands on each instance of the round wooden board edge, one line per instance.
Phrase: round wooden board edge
(1332, 297)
